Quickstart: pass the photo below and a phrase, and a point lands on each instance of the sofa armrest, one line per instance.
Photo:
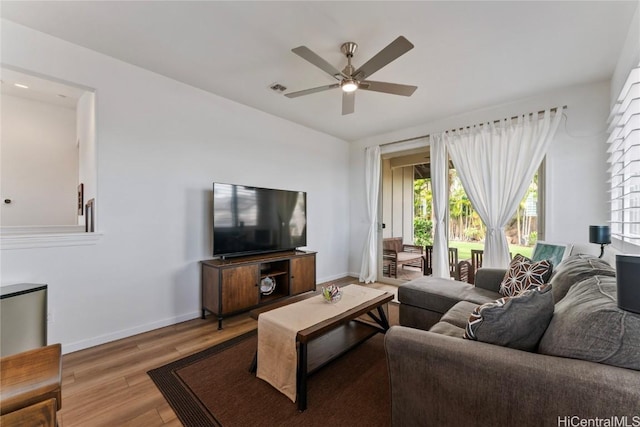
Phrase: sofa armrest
(490, 278)
(451, 381)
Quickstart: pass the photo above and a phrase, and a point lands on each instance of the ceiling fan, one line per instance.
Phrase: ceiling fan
(351, 79)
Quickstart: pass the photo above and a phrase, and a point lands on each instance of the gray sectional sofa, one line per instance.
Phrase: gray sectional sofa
(586, 365)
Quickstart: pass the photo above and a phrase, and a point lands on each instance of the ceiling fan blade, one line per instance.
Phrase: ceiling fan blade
(392, 88)
(393, 51)
(348, 102)
(306, 53)
(312, 90)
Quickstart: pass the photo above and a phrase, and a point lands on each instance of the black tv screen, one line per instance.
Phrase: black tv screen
(250, 220)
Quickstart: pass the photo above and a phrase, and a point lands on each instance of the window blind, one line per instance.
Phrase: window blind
(624, 158)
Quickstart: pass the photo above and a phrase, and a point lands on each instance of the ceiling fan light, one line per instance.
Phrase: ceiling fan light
(349, 85)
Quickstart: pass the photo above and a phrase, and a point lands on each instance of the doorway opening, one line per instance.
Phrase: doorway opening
(48, 159)
(406, 214)
(407, 218)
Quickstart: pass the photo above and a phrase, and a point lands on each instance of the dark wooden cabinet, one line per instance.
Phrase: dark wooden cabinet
(303, 274)
(239, 287)
(232, 286)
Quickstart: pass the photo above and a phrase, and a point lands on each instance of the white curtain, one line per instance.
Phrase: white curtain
(496, 163)
(369, 268)
(439, 185)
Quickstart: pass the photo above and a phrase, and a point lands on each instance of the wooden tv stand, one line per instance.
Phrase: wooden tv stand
(231, 286)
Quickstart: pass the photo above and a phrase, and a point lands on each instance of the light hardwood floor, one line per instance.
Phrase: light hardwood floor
(108, 385)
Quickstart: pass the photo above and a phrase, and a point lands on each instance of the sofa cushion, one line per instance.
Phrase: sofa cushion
(577, 268)
(458, 315)
(516, 322)
(446, 328)
(440, 295)
(587, 324)
(524, 274)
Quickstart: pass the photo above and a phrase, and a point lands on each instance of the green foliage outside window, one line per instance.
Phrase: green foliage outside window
(465, 224)
(422, 224)
(422, 231)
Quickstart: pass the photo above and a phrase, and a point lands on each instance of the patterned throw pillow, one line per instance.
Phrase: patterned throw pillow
(517, 322)
(524, 274)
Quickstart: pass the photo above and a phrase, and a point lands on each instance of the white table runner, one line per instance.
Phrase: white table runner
(277, 330)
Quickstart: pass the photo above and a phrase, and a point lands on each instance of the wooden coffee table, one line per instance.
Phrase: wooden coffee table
(327, 340)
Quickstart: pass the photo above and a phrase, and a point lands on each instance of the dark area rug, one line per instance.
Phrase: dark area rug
(214, 388)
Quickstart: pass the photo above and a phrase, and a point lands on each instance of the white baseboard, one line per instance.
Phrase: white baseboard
(354, 274)
(334, 277)
(103, 339)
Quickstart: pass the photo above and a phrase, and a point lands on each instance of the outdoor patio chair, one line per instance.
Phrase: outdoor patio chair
(428, 261)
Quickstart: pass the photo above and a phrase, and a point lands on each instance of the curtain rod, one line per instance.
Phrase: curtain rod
(553, 110)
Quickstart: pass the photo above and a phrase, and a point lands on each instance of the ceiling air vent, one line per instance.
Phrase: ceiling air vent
(277, 87)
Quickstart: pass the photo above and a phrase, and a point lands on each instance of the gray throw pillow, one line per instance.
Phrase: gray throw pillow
(577, 268)
(516, 322)
(587, 324)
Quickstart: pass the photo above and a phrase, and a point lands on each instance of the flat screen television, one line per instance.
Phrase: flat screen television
(252, 220)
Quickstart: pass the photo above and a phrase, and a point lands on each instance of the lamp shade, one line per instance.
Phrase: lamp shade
(600, 234)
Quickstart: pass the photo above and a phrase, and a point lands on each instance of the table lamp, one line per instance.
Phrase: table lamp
(600, 234)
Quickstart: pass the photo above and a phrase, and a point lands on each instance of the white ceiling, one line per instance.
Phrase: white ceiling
(39, 89)
(467, 55)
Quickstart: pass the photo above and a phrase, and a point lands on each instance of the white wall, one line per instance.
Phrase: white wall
(386, 194)
(160, 145)
(576, 163)
(397, 201)
(629, 56)
(39, 163)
